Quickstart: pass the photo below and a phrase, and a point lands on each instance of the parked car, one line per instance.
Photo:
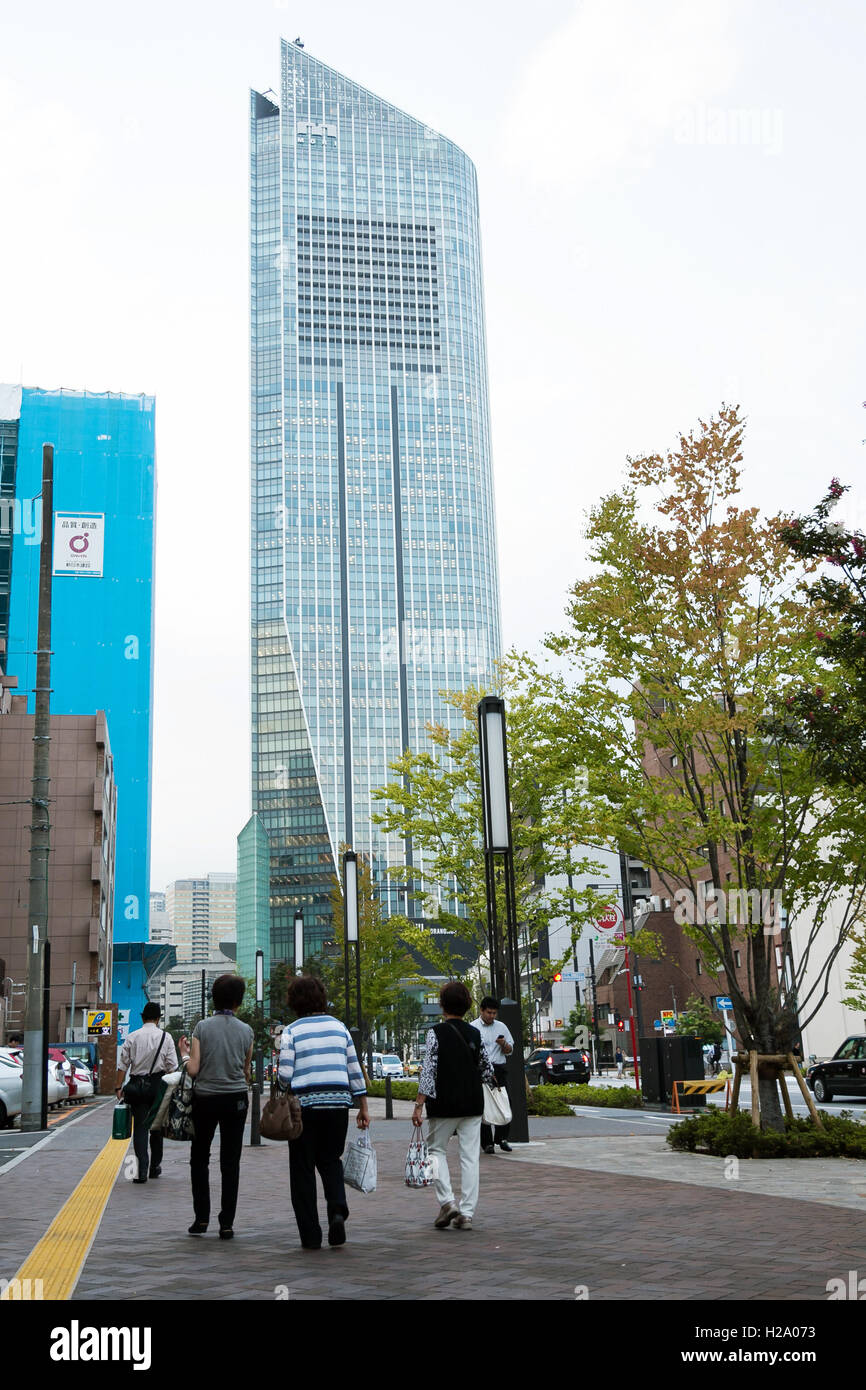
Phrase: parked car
(10, 1087)
(844, 1074)
(11, 1080)
(83, 1078)
(413, 1067)
(557, 1066)
(86, 1052)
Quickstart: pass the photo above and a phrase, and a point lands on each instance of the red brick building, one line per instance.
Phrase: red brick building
(83, 808)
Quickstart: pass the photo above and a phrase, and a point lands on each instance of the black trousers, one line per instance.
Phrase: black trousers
(489, 1135)
(141, 1135)
(229, 1111)
(319, 1147)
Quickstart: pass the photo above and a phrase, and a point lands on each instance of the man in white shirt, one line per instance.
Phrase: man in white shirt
(148, 1053)
(499, 1044)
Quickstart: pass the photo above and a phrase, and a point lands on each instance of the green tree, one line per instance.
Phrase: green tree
(829, 718)
(685, 642)
(405, 1022)
(436, 803)
(386, 965)
(698, 1020)
(856, 982)
(579, 1018)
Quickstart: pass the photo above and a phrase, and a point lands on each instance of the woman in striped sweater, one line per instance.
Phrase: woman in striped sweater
(318, 1062)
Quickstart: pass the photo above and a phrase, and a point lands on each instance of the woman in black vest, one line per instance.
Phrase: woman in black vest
(455, 1066)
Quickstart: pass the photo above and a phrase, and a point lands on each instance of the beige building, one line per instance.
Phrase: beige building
(159, 929)
(180, 987)
(81, 866)
(202, 913)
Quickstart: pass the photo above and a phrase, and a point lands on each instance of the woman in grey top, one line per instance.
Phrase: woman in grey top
(219, 1059)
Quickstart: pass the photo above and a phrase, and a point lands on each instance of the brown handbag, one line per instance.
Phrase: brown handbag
(281, 1117)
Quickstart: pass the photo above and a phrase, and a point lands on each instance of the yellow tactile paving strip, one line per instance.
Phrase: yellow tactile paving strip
(58, 1259)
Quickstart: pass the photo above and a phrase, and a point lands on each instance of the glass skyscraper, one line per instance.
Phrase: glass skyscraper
(374, 572)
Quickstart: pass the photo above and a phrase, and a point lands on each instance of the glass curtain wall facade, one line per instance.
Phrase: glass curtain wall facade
(374, 572)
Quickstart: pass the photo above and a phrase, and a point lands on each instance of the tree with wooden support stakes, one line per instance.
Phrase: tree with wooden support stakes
(758, 1066)
(686, 641)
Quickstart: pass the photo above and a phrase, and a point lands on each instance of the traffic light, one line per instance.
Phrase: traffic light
(557, 979)
(620, 1027)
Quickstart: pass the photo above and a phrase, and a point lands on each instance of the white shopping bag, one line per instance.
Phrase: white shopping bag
(359, 1164)
(497, 1106)
(420, 1167)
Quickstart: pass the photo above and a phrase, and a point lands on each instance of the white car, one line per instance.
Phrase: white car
(83, 1079)
(12, 1062)
(10, 1087)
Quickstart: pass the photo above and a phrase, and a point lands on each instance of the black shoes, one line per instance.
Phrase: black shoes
(489, 1148)
(505, 1146)
(226, 1233)
(155, 1172)
(197, 1228)
(337, 1231)
(139, 1179)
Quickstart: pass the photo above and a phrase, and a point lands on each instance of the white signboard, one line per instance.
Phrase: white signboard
(78, 543)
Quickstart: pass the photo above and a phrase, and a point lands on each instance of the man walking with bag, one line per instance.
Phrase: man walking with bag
(147, 1055)
(499, 1045)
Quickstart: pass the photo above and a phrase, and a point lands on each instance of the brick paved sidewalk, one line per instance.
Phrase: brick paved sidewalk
(540, 1230)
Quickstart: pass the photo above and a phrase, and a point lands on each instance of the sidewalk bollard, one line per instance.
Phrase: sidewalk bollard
(255, 1108)
(389, 1100)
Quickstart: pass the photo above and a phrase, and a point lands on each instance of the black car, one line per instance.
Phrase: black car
(844, 1074)
(557, 1066)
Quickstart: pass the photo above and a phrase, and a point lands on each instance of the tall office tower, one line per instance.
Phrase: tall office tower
(374, 575)
(202, 915)
(102, 606)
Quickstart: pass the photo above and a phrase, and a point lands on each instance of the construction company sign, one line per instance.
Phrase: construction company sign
(79, 541)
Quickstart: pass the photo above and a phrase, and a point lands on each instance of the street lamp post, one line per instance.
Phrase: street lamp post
(299, 940)
(258, 1082)
(504, 944)
(350, 890)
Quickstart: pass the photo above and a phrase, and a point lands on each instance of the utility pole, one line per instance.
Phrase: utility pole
(34, 1098)
(71, 1029)
(594, 997)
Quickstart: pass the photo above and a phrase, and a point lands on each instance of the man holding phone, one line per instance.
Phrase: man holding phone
(499, 1044)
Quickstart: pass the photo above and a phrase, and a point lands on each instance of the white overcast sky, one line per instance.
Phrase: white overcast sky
(672, 212)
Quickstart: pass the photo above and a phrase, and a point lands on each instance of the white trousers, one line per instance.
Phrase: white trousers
(468, 1131)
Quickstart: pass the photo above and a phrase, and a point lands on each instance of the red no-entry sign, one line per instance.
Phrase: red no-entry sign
(610, 919)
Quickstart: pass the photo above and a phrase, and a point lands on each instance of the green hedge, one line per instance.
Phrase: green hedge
(733, 1135)
(543, 1100)
(400, 1090)
(555, 1100)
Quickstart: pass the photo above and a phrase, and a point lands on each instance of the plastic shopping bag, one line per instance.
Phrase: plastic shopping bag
(359, 1164)
(420, 1167)
(497, 1107)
